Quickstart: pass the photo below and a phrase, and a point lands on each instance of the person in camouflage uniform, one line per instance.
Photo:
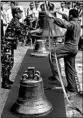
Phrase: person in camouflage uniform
(9, 44)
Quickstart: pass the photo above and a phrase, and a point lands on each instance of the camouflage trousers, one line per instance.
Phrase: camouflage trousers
(7, 60)
(68, 53)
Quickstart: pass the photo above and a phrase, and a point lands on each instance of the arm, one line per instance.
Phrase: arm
(63, 24)
(21, 29)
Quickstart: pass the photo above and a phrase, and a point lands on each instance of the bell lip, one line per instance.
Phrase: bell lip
(31, 115)
(37, 54)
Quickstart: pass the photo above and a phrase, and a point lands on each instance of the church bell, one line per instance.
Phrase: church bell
(31, 101)
(40, 49)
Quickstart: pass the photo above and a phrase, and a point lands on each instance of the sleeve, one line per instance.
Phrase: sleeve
(21, 29)
(7, 17)
(63, 24)
(23, 13)
(64, 16)
(81, 13)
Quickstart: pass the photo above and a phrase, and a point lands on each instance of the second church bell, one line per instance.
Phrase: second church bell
(31, 99)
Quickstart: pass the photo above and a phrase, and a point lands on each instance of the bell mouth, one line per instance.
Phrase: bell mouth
(40, 49)
(35, 115)
(40, 54)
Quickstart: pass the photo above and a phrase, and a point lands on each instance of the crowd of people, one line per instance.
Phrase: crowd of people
(31, 17)
(16, 27)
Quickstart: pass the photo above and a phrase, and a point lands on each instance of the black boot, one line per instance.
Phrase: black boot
(10, 82)
(54, 81)
(70, 89)
(52, 78)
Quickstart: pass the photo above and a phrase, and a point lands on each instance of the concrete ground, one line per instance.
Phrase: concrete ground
(77, 100)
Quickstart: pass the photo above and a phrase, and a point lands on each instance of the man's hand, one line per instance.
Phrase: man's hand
(35, 31)
(49, 14)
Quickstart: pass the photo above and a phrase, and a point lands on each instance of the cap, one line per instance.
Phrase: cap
(16, 10)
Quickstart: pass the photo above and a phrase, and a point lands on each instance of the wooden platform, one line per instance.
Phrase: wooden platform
(54, 96)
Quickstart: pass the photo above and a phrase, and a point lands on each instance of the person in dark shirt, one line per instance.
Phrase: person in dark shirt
(9, 43)
(68, 51)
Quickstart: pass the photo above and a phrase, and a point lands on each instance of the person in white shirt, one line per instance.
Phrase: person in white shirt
(3, 18)
(9, 11)
(31, 14)
(65, 11)
(69, 5)
(30, 10)
(37, 9)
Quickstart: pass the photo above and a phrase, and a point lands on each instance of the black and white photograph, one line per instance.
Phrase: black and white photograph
(41, 59)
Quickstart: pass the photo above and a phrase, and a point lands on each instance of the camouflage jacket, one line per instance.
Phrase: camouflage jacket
(14, 31)
(15, 28)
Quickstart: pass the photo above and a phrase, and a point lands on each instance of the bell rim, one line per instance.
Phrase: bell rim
(32, 115)
(40, 40)
(36, 54)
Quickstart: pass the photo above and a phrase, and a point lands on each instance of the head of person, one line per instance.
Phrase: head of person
(62, 4)
(68, 5)
(73, 13)
(17, 12)
(36, 4)
(12, 4)
(16, 3)
(31, 5)
(77, 5)
(1, 6)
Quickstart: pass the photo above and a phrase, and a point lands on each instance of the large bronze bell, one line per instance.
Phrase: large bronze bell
(31, 100)
(40, 49)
